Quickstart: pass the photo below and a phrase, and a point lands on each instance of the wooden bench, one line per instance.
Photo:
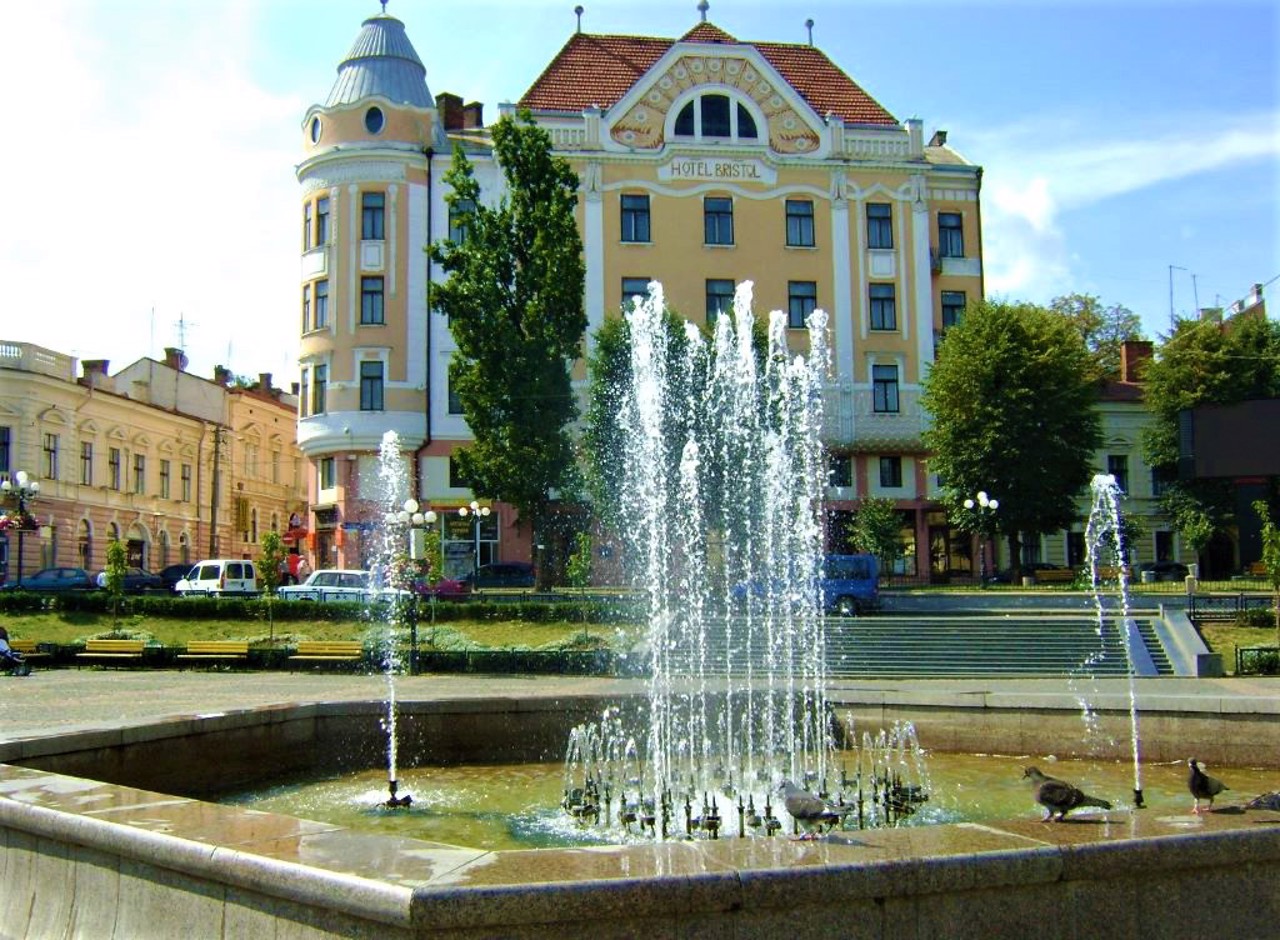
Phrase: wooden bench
(216, 651)
(328, 651)
(28, 649)
(1257, 569)
(112, 651)
(1055, 576)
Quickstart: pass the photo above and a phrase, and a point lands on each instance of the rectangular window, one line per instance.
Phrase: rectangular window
(884, 311)
(164, 479)
(1164, 545)
(139, 474)
(460, 215)
(306, 307)
(328, 473)
(953, 302)
(802, 298)
(319, 390)
(186, 482)
(635, 218)
(322, 221)
(306, 227)
(1160, 480)
(371, 313)
(370, 386)
(884, 389)
(322, 305)
(950, 235)
(633, 287)
(1118, 467)
(800, 223)
(455, 402)
(304, 390)
(86, 463)
(891, 472)
(372, 208)
(51, 456)
(113, 468)
(879, 225)
(840, 470)
(457, 479)
(719, 298)
(717, 220)
(6, 443)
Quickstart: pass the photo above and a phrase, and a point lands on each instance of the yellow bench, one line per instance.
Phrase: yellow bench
(1257, 569)
(28, 649)
(328, 651)
(112, 651)
(215, 650)
(1055, 576)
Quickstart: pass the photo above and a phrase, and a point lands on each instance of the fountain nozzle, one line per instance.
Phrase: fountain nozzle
(1137, 800)
(397, 801)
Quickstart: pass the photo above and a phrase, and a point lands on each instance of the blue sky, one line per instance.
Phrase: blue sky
(152, 180)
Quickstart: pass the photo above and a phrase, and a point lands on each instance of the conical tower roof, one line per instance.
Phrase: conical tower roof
(382, 62)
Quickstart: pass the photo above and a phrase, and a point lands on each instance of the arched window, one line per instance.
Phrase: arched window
(84, 545)
(715, 117)
(184, 549)
(164, 549)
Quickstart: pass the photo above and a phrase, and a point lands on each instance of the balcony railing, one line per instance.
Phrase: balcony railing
(851, 421)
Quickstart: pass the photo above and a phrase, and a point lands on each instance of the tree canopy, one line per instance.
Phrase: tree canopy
(1102, 328)
(514, 298)
(1011, 399)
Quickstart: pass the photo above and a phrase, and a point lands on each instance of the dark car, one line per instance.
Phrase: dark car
(136, 581)
(172, 574)
(515, 574)
(1163, 571)
(55, 581)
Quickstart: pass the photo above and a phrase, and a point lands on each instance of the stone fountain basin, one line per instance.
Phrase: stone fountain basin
(104, 834)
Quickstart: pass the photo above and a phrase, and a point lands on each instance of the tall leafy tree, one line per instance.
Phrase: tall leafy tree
(1012, 399)
(1205, 362)
(1102, 328)
(876, 527)
(514, 298)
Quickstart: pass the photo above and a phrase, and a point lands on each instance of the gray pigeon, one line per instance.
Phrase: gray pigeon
(810, 812)
(1058, 796)
(1202, 786)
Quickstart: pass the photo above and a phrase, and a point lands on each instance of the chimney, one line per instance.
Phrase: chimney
(915, 134)
(94, 372)
(939, 139)
(264, 382)
(1133, 354)
(473, 116)
(450, 108)
(293, 388)
(175, 358)
(221, 376)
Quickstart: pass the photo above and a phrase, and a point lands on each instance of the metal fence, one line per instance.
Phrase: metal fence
(1225, 606)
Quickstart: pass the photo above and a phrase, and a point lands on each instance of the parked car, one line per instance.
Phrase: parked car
(334, 584)
(1163, 571)
(850, 586)
(136, 581)
(514, 574)
(172, 574)
(1028, 568)
(221, 576)
(55, 581)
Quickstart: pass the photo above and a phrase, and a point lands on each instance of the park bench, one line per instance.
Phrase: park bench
(213, 651)
(28, 649)
(1257, 569)
(111, 651)
(328, 651)
(1055, 576)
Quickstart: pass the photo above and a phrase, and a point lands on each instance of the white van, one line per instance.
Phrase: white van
(222, 576)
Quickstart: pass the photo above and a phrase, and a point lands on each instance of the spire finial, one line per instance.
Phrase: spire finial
(384, 6)
(808, 24)
(703, 7)
(578, 12)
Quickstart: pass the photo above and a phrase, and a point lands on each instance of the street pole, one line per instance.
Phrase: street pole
(22, 494)
(984, 507)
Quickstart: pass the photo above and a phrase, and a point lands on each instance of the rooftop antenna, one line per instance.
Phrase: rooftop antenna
(703, 7)
(808, 24)
(578, 12)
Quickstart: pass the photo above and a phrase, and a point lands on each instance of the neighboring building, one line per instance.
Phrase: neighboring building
(705, 161)
(152, 456)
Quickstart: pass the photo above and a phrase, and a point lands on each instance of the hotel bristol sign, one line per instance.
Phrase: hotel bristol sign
(718, 169)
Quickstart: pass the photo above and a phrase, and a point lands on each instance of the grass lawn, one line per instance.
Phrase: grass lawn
(1224, 638)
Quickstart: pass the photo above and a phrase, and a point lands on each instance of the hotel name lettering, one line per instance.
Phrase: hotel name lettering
(698, 168)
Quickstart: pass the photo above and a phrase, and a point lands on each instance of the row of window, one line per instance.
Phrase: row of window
(50, 467)
(840, 466)
(840, 471)
(315, 219)
(315, 303)
(717, 224)
(313, 390)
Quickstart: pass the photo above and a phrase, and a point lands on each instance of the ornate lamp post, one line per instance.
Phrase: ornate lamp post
(414, 522)
(984, 508)
(19, 492)
(477, 513)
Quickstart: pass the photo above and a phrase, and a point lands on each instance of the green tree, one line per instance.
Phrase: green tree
(876, 527)
(117, 565)
(1103, 329)
(271, 560)
(1011, 398)
(1270, 556)
(514, 298)
(1204, 362)
(578, 569)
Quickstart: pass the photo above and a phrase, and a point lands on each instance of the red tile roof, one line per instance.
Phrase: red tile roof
(599, 70)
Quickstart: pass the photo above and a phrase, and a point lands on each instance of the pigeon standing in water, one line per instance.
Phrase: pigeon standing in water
(1202, 786)
(1058, 796)
(807, 810)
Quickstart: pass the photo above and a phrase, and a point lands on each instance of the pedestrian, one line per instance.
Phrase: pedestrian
(304, 568)
(10, 658)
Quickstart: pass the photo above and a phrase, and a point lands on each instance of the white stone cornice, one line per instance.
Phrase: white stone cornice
(354, 171)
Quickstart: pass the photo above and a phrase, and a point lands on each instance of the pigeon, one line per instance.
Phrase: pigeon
(1058, 796)
(1202, 786)
(810, 812)
(1269, 800)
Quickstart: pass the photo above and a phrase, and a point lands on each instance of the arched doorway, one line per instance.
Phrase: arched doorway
(136, 547)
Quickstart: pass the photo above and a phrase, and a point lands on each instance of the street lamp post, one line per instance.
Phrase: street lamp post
(985, 509)
(20, 492)
(477, 512)
(413, 522)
